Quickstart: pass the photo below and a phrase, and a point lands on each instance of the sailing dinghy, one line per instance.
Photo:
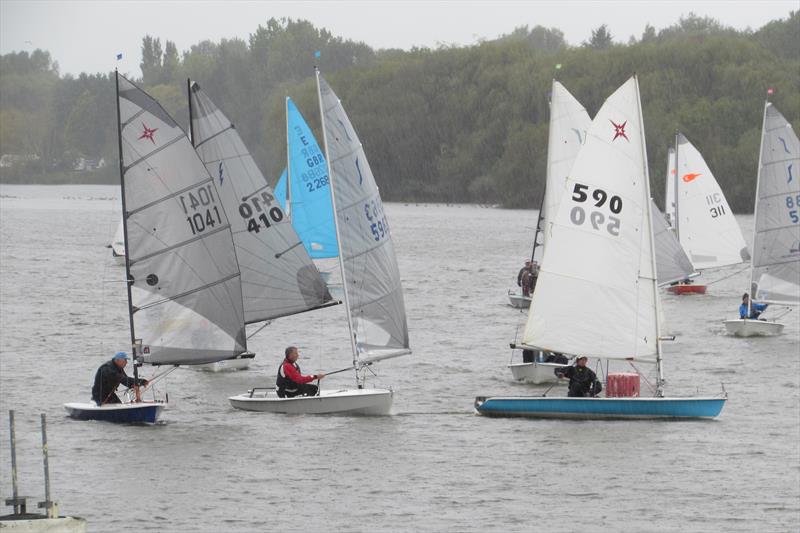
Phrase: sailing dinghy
(703, 221)
(278, 277)
(184, 292)
(373, 296)
(118, 245)
(775, 266)
(569, 122)
(597, 291)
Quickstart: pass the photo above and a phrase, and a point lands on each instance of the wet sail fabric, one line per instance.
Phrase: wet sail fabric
(185, 290)
(669, 196)
(310, 206)
(596, 293)
(278, 276)
(371, 273)
(707, 229)
(569, 123)
(775, 275)
(672, 264)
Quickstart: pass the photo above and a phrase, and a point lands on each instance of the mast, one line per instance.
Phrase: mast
(755, 207)
(128, 282)
(648, 217)
(289, 167)
(676, 224)
(336, 226)
(189, 97)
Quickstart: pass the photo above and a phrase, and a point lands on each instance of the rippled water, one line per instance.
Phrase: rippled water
(433, 465)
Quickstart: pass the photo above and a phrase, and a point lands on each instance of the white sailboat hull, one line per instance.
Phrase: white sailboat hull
(369, 402)
(536, 373)
(519, 301)
(745, 327)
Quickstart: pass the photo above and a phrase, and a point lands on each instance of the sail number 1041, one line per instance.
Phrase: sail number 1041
(598, 220)
(204, 212)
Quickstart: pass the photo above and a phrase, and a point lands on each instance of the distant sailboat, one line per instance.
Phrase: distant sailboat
(704, 222)
(184, 289)
(278, 277)
(672, 264)
(569, 122)
(373, 295)
(775, 266)
(597, 292)
(118, 245)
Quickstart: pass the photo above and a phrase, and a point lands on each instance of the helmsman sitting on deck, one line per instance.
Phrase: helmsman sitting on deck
(582, 380)
(111, 375)
(291, 382)
(755, 309)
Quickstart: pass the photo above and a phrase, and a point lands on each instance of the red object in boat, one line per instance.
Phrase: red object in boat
(682, 288)
(623, 385)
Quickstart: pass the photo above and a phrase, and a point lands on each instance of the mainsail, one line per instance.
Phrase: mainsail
(669, 196)
(371, 276)
(596, 293)
(184, 287)
(671, 261)
(775, 275)
(706, 227)
(278, 276)
(309, 200)
(569, 123)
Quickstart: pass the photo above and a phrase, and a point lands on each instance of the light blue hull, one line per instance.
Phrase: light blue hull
(599, 408)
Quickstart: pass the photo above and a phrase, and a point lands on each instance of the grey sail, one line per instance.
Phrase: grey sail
(278, 276)
(672, 264)
(776, 244)
(373, 279)
(185, 292)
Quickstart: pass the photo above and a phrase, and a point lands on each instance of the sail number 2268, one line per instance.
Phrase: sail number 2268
(598, 197)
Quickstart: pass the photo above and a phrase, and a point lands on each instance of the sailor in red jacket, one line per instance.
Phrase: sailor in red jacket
(291, 382)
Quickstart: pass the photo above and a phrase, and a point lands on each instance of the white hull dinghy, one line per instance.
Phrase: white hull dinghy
(746, 327)
(368, 402)
(775, 265)
(535, 372)
(605, 304)
(518, 301)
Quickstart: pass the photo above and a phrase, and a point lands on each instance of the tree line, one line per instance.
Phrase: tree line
(451, 124)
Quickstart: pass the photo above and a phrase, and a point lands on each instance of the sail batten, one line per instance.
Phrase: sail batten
(185, 292)
(372, 280)
(278, 278)
(775, 273)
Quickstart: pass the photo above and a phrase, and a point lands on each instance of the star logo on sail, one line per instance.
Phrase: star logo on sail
(619, 130)
(688, 178)
(148, 133)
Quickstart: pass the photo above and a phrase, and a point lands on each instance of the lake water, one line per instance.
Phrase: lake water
(431, 466)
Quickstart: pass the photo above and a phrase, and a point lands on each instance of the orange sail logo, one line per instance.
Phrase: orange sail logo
(690, 177)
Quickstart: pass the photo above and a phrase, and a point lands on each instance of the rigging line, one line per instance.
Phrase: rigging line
(728, 276)
(267, 323)
(220, 132)
(289, 249)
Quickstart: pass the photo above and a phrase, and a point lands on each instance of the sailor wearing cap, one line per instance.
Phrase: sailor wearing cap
(111, 375)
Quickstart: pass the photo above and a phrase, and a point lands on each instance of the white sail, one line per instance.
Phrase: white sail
(775, 275)
(372, 278)
(569, 123)
(596, 293)
(278, 276)
(669, 196)
(185, 292)
(707, 229)
(671, 261)
(118, 244)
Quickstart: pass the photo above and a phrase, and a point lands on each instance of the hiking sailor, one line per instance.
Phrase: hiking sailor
(291, 382)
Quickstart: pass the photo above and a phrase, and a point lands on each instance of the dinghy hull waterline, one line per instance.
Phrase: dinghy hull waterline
(687, 289)
(536, 373)
(744, 327)
(368, 402)
(599, 408)
(119, 413)
(518, 301)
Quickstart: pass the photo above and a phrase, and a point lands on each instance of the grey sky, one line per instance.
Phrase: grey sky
(85, 36)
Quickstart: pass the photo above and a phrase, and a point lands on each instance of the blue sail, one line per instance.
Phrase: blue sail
(311, 211)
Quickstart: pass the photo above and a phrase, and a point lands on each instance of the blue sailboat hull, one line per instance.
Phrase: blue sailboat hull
(128, 413)
(599, 408)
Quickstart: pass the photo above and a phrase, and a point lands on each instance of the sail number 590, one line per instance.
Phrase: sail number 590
(598, 220)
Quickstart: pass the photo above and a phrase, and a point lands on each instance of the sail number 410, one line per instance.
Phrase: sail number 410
(264, 213)
(598, 220)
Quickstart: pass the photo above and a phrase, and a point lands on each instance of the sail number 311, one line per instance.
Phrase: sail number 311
(599, 197)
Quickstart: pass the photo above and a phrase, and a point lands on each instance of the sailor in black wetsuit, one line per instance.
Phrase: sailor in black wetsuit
(582, 380)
